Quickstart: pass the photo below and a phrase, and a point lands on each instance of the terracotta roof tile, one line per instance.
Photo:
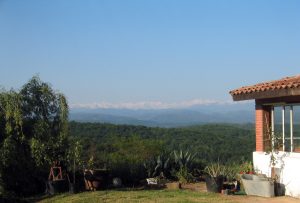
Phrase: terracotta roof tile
(284, 83)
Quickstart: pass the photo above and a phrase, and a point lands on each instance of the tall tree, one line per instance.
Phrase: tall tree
(45, 114)
(33, 127)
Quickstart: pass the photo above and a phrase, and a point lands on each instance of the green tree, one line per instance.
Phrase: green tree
(45, 114)
(34, 129)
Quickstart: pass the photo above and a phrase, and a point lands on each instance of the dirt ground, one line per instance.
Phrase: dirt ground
(244, 198)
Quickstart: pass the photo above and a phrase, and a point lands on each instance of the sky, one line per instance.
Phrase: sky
(148, 54)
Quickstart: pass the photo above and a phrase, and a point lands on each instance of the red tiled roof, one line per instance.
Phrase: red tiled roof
(284, 83)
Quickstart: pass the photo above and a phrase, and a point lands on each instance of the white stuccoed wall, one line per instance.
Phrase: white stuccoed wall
(289, 166)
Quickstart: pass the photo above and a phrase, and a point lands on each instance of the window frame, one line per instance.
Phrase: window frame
(284, 136)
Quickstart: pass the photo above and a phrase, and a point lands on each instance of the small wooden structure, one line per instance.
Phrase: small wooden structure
(55, 173)
(276, 104)
(58, 179)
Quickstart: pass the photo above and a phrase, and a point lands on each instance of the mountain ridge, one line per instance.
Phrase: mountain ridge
(167, 117)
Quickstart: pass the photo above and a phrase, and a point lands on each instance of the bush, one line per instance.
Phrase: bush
(184, 176)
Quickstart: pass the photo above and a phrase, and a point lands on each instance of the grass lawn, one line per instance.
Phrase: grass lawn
(142, 196)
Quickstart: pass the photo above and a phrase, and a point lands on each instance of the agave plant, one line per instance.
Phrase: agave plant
(157, 166)
(215, 176)
(183, 159)
(150, 166)
(215, 170)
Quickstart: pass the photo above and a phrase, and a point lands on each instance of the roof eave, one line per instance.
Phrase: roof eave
(267, 94)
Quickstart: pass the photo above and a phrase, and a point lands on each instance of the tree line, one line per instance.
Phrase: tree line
(123, 149)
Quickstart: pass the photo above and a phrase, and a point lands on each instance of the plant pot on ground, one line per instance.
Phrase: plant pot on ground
(258, 185)
(214, 177)
(214, 184)
(279, 188)
(173, 185)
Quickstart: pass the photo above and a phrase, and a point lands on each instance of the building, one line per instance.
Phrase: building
(277, 112)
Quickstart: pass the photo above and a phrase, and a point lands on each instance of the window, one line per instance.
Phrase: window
(285, 126)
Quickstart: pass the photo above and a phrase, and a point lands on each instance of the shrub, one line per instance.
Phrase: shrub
(184, 176)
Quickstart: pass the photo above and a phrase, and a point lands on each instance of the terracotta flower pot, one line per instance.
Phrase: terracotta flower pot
(173, 185)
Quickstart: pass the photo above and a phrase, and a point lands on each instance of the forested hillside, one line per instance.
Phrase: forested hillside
(117, 146)
(211, 142)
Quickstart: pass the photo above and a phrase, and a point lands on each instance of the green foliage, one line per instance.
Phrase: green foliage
(184, 159)
(246, 167)
(231, 171)
(273, 145)
(34, 132)
(131, 152)
(228, 171)
(134, 148)
(11, 113)
(215, 169)
(213, 142)
(91, 163)
(128, 155)
(74, 156)
(183, 175)
(45, 115)
(183, 165)
(33, 129)
(158, 166)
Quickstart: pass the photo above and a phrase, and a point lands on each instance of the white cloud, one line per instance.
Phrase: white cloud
(151, 104)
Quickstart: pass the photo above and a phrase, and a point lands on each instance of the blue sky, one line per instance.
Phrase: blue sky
(148, 53)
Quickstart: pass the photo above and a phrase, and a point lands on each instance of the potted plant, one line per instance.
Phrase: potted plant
(246, 168)
(181, 168)
(214, 177)
(183, 176)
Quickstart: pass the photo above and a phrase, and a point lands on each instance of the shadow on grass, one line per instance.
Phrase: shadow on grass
(38, 198)
(12, 200)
